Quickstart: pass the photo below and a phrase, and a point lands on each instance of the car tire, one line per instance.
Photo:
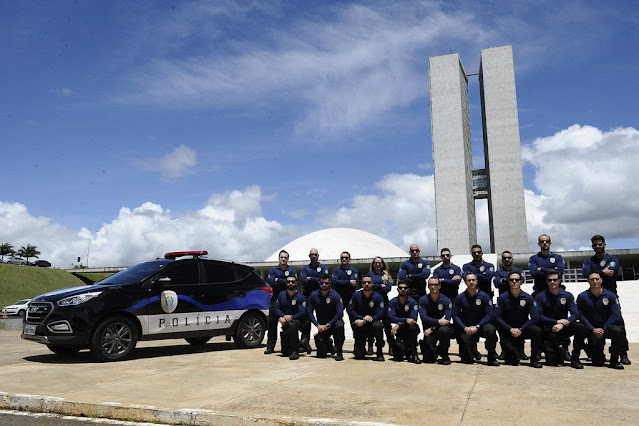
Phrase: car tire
(197, 340)
(113, 339)
(21, 313)
(64, 350)
(250, 331)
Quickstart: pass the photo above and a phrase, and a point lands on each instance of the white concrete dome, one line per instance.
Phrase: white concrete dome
(331, 242)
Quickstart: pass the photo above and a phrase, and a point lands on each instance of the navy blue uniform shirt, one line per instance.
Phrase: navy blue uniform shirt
(516, 312)
(399, 313)
(277, 278)
(341, 278)
(314, 273)
(552, 308)
(431, 311)
(287, 305)
(328, 309)
(446, 274)
(378, 282)
(484, 273)
(608, 261)
(598, 312)
(472, 310)
(360, 306)
(538, 265)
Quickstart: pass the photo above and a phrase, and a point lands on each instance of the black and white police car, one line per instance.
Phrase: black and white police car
(183, 295)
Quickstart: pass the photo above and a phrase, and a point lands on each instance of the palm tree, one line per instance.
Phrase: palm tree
(5, 248)
(28, 251)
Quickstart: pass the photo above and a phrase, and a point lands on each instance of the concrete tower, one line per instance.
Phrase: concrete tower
(457, 185)
(502, 151)
(452, 155)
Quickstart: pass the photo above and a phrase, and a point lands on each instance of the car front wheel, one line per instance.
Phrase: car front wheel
(250, 331)
(114, 339)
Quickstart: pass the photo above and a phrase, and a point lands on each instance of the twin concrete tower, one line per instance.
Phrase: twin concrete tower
(457, 185)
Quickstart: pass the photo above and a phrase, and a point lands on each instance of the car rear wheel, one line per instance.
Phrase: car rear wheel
(250, 330)
(64, 350)
(21, 313)
(197, 340)
(114, 339)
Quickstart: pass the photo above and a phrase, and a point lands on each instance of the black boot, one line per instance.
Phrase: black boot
(614, 361)
(380, 355)
(492, 359)
(624, 358)
(369, 351)
(534, 359)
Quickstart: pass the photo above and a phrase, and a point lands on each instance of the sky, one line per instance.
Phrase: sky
(129, 129)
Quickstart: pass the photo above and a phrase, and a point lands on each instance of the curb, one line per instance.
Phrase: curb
(148, 414)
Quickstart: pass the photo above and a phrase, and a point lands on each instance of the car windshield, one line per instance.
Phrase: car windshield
(135, 273)
(22, 302)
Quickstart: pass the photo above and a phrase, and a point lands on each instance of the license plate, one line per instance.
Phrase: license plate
(29, 330)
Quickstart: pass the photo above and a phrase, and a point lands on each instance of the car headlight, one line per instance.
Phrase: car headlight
(80, 298)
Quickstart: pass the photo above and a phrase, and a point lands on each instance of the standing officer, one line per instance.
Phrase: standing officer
(516, 314)
(599, 311)
(366, 310)
(449, 275)
(382, 284)
(436, 311)
(482, 270)
(325, 309)
(608, 267)
(277, 280)
(290, 308)
(558, 317)
(344, 278)
(472, 316)
(542, 262)
(402, 312)
(501, 275)
(310, 281)
(414, 271)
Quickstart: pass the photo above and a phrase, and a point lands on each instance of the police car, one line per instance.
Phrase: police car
(182, 295)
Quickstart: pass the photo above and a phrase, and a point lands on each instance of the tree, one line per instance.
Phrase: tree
(28, 251)
(6, 248)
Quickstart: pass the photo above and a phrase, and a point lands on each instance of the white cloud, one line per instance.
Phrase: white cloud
(229, 226)
(402, 210)
(177, 163)
(586, 183)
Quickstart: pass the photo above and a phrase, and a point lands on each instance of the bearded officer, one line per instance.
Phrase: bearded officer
(516, 315)
(449, 274)
(501, 275)
(290, 308)
(402, 312)
(544, 261)
(558, 315)
(325, 310)
(482, 270)
(366, 310)
(608, 267)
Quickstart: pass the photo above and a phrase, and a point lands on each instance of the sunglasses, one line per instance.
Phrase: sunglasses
(324, 283)
(291, 282)
(507, 257)
(514, 280)
(367, 282)
(476, 252)
(414, 251)
(344, 258)
(402, 288)
(552, 280)
(445, 255)
(313, 255)
(598, 245)
(544, 241)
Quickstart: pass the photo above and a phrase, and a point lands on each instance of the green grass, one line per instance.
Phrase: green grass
(25, 282)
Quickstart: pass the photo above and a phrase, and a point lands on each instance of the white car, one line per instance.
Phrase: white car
(15, 260)
(19, 308)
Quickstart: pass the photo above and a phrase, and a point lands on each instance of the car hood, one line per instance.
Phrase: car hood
(69, 291)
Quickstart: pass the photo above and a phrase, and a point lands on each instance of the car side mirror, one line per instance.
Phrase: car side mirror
(162, 281)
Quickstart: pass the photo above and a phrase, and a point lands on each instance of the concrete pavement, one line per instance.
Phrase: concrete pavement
(172, 382)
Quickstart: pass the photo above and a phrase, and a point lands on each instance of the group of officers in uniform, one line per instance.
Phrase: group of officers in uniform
(548, 317)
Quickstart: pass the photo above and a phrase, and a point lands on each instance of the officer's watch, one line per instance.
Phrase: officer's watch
(328, 326)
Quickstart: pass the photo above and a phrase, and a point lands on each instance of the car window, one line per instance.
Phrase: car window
(184, 272)
(220, 273)
(135, 273)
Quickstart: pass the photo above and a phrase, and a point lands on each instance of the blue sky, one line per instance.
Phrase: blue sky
(239, 126)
